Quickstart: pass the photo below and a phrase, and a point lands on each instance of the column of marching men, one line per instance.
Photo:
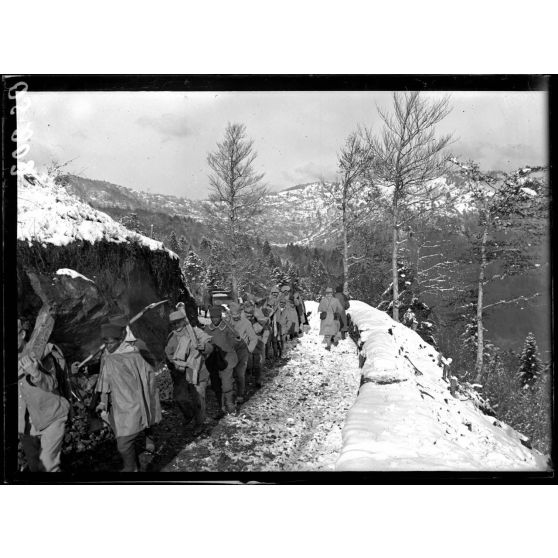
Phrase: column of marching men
(235, 344)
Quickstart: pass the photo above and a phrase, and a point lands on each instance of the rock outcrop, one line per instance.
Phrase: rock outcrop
(104, 270)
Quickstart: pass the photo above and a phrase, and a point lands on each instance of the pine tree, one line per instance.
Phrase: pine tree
(318, 277)
(205, 245)
(530, 366)
(184, 246)
(131, 222)
(292, 274)
(172, 243)
(279, 276)
(505, 205)
(212, 278)
(193, 268)
(236, 197)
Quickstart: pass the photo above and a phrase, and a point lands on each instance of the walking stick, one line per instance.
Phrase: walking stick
(134, 319)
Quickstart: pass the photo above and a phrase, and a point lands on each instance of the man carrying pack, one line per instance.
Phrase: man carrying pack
(42, 410)
(244, 347)
(185, 359)
(285, 320)
(330, 310)
(223, 336)
(259, 322)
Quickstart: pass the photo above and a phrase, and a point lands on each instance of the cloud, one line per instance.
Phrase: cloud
(169, 125)
(499, 155)
(309, 172)
(80, 134)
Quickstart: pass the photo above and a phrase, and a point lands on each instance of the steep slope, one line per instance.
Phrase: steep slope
(406, 419)
(105, 195)
(121, 271)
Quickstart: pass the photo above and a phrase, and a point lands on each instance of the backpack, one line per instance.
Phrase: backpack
(216, 361)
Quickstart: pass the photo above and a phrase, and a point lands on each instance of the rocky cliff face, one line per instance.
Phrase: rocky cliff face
(104, 270)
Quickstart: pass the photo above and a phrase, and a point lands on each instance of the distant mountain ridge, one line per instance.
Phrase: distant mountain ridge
(300, 214)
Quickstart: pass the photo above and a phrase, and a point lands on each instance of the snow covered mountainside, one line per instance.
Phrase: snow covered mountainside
(48, 214)
(302, 214)
(89, 267)
(405, 418)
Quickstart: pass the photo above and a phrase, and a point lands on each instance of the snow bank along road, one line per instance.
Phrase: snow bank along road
(307, 417)
(406, 419)
(294, 422)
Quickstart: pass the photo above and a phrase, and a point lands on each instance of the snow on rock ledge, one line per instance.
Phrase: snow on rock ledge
(405, 418)
(73, 274)
(48, 214)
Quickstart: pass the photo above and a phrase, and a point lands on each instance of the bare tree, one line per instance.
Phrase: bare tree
(354, 161)
(505, 202)
(431, 250)
(407, 158)
(236, 194)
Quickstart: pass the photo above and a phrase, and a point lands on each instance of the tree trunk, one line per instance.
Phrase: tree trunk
(395, 275)
(234, 285)
(480, 330)
(345, 255)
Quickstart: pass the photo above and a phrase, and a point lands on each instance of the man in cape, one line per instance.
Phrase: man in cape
(129, 399)
(330, 312)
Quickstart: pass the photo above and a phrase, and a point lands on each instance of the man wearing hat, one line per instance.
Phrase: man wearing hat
(330, 310)
(128, 393)
(272, 347)
(272, 301)
(284, 319)
(224, 337)
(244, 347)
(42, 410)
(185, 359)
(286, 291)
(300, 310)
(259, 322)
(293, 316)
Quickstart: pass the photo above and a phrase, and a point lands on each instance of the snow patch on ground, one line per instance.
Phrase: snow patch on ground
(406, 419)
(48, 214)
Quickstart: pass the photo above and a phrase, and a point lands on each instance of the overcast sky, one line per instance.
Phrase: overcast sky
(158, 141)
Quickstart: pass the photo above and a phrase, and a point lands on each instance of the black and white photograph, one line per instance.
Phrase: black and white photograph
(242, 277)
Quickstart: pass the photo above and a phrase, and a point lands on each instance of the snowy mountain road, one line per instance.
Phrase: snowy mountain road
(293, 423)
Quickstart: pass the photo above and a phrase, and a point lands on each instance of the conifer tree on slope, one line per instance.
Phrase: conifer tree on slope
(530, 365)
(194, 268)
(236, 195)
(318, 277)
(173, 243)
(505, 203)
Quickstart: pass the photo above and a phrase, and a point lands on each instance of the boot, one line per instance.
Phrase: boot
(228, 402)
(219, 397)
